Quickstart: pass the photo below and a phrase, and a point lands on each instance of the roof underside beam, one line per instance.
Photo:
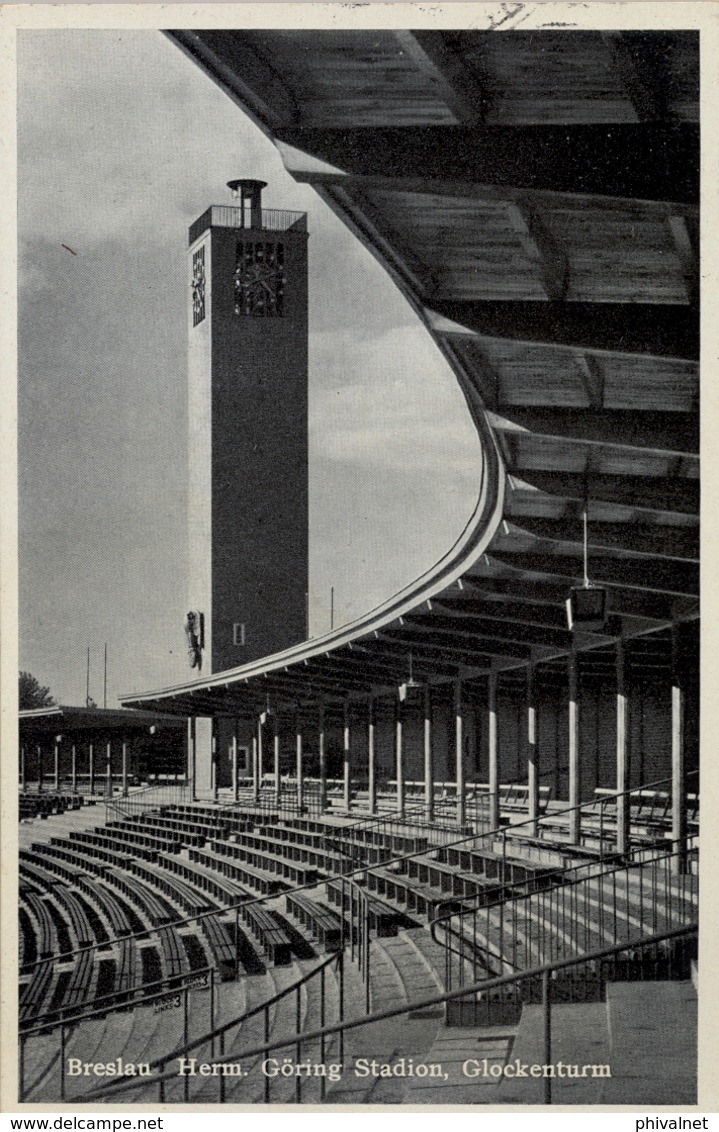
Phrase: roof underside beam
(658, 431)
(626, 573)
(639, 161)
(653, 329)
(663, 542)
(680, 496)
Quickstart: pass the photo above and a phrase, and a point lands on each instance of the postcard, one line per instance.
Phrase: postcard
(350, 510)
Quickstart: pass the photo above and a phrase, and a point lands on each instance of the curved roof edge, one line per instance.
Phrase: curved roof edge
(471, 544)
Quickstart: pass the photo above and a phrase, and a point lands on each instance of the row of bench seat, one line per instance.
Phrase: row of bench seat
(268, 931)
(322, 924)
(33, 806)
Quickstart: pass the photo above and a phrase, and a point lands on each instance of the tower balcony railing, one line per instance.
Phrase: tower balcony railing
(229, 216)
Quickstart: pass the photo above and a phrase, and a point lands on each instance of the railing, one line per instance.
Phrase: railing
(217, 1038)
(589, 904)
(229, 216)
(146, 799)
(664, 955)
(162, 994)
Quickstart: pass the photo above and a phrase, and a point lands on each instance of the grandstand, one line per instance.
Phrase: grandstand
(465, 837)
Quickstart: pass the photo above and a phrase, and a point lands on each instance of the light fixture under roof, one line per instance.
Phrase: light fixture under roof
(410, 684)
(586, 604)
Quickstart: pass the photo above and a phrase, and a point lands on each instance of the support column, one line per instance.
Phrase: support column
(74, 768)
(574, 768)
(260, 757)
(346, 758)
(532, 753)
(679, 784)
(428, 753)
(56, 763)
(371, 767)
(322, 757)
(233, 756)
(256, 762)
(124, 768)
(276, 749)
(622, 805)
(91, 766)
(108, 769)
(299, 768)
(459, 751)
(39, 768)
(191, 757)
(22, 768)
(215, 756)
(399, 755)
(493, 746)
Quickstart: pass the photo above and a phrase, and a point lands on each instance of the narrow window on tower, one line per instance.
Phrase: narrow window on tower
(238, 633)
(198, 285)
(260, 279)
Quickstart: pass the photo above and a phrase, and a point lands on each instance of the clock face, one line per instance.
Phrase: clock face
(259, 279)
(198, 286)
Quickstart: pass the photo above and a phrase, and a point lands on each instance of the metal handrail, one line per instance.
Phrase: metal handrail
(470, 949)
(211, 1035)
(543, 971)
(497, 832)
(123, 998)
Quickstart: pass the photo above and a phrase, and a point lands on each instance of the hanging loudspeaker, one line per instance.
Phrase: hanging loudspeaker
(586, 608)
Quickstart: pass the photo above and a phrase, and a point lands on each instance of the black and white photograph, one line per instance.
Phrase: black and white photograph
(357, 741)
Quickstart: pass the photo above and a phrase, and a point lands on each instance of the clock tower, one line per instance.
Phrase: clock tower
(248, 518)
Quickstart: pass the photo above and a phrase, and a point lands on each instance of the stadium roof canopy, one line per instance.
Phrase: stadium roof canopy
(535, 197)
(36, 721)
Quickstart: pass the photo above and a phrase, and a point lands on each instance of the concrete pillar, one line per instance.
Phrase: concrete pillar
(459, 751)
(322, 757)
(532, 753)
(622, 806)
(215, 760)
(108, 769)
(191, 757)
(56, 762)
(574, 754)
(493, 750)
(22, 767)
(204, 772)
(256, 762)
(346, 758)
(300, 768)
(39, 768)
(276, 748)
(91, 766)
(428, 752)
(399, 754)
(74, 768)
(260, 756)
(679, 783)
(371, 766)
(233, 756)
(124, 768)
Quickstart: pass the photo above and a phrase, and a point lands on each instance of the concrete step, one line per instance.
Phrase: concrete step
(580, 1047)
(459, 1066)
(653, 1043)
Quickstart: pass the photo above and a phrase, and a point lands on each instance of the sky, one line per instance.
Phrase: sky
(122, 143)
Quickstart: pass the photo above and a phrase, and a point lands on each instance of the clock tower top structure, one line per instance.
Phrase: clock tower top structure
(248, 507)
